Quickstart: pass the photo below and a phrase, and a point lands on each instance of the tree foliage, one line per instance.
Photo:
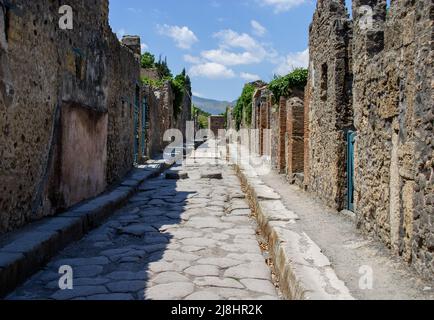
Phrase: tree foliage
(147, 61)
(244, 106)
(180, 85)
(202, 116)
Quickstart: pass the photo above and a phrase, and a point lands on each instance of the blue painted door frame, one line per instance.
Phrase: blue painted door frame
(351, 139)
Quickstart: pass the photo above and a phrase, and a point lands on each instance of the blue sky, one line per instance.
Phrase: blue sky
(221, 43)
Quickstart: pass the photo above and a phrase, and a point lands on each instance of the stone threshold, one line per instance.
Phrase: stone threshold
(304, 272)
(26, 251)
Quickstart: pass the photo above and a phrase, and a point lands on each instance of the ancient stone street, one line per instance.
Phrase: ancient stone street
(190, 238)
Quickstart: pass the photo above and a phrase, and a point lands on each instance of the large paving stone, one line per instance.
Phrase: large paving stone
(220, 262)
(249, 270)
(79, 292)
(202, 242)
(203, 295)
(169, 277)
(172, 255)
(111, 297)
(218, 282)
(127, 275)
(162, 266)
(172, 291)
(87, 271)
(257, 285)
(203, 270)
(126, 286)
(138, 230)
(77, 262)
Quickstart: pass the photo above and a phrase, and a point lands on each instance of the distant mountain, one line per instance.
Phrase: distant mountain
(214, 107)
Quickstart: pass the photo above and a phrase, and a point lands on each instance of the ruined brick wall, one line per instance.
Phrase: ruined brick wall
(274, 128)
(294, 136)
(46, 75)
(393, 104)
(330, 108)
(281, 141)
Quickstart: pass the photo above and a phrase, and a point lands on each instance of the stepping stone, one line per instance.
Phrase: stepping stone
(212, 175)
(176, 175)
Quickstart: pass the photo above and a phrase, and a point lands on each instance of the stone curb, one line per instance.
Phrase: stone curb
(304, 272)
(30, 249)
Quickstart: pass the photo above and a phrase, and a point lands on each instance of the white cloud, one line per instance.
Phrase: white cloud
(183, 36)
(258, 29)
(228, 58)
(192, 59)
(282, 5)
(211, 70)
(293, 60)
(230, 38)
(250, 51)
(249, 77)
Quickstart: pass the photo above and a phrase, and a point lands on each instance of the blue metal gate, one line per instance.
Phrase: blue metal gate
(351, 139)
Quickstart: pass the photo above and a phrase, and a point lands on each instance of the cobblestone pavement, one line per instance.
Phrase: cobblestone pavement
(176, 239)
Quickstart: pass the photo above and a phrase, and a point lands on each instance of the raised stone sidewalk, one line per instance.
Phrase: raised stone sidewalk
(304, 272)
(319, 253)
(24, 252)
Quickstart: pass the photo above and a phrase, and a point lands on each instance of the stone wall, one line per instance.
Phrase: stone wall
(216, 123)
(376, 79)
(330, 112)
(394, 117)
(60, 107)
(160, 116)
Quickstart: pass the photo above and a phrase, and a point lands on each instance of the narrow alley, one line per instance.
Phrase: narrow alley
(187, 234)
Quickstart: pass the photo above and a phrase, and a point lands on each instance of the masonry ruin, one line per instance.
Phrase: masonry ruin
(361, 135)
(74, 116)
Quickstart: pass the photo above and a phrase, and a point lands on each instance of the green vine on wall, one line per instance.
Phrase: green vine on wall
(244, 106)
(283, 86)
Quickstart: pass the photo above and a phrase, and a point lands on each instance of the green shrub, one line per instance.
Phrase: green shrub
(147, 61)
(283, 86)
